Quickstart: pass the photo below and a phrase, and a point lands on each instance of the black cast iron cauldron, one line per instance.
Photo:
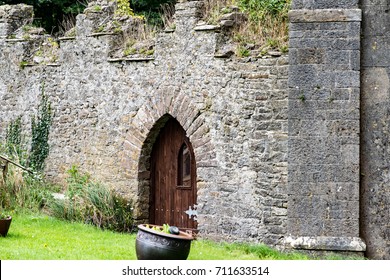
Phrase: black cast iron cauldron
(154, 245)
(4, 225)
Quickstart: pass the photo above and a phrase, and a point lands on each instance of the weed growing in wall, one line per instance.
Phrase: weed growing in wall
(242, 51)
(267, 24)
(23, 64)
(259, 10)
(40, 127)
(123, 8)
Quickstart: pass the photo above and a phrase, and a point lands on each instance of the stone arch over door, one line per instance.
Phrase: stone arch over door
(143, 131)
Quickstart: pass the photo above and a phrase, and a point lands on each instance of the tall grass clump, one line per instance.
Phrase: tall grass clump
(21, 191)
(266, 26)
(92, 203)
(267, 21)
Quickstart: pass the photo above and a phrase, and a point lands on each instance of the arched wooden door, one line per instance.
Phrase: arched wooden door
(173, 179)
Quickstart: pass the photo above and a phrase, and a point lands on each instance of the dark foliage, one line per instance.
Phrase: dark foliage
(49, 14)
(151, 9)
(145, 5)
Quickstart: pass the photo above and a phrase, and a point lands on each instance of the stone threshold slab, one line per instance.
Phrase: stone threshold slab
(325, 243)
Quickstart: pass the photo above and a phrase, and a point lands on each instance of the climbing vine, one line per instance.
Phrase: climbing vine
(40, 127)
(13, 138)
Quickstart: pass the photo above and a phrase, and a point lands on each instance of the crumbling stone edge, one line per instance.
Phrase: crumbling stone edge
(325, 243)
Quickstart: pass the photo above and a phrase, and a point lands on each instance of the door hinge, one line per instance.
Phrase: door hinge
(192, 212)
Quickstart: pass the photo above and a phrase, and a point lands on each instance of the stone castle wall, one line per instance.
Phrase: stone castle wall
(108, 111)
(290, 151)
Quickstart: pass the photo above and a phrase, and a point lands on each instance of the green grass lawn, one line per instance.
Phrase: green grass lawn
(45, 238)
(38, 237)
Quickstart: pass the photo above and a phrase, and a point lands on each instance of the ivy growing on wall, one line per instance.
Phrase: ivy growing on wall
(40, 127)
(15, 145)
(13, 134)
(13, 139)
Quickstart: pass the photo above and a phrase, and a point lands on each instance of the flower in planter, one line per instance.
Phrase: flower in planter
(164, 228)
(4, 216)
(5, 222)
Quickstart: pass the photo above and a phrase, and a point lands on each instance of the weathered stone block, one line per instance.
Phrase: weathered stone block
(325, 15)
(348, 79)
(310, 56)
(13, 17)
(375, 51)
(324, 4)
(374, 3)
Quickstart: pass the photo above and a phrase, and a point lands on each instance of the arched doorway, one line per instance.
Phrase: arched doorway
(173, 178)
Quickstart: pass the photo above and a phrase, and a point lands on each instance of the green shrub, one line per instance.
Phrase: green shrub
(93, 203)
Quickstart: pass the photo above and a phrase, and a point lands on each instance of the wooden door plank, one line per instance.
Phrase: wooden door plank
(171, 201)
